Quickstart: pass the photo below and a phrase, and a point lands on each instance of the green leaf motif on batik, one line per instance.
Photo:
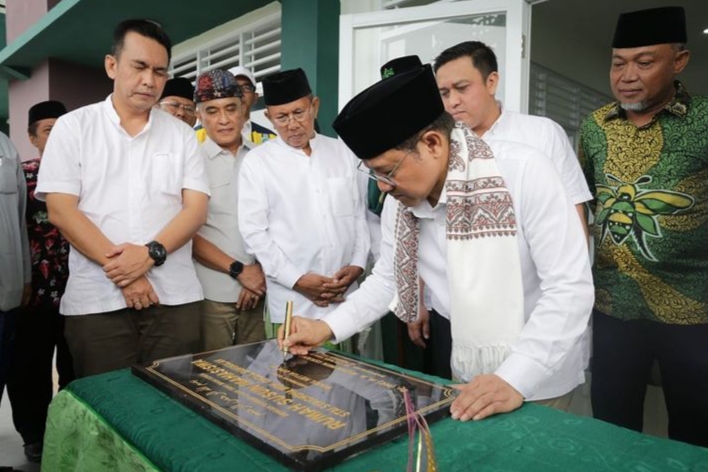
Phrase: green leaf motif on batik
(627, 210)
(648, 224)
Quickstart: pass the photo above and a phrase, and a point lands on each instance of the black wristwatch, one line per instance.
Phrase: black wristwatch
(157, 252)
(235, 269)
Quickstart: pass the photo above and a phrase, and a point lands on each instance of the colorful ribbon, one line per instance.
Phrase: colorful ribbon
(425, 457)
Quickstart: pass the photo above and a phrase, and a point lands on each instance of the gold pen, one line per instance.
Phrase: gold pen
(287, 326)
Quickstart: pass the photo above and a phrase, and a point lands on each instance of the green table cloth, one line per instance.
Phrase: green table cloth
(116, 422)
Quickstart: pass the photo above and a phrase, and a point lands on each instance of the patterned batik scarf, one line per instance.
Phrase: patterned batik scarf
(483, 267)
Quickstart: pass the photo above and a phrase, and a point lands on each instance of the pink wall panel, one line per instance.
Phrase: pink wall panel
(75, 85)
(21, 14)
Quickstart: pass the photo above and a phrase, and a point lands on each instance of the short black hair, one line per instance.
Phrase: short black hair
(481, 55)
(443, 123)
(148, 28)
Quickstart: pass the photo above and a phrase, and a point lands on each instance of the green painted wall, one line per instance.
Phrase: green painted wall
(310, 39)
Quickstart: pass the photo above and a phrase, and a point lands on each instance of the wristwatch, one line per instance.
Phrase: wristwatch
(157, 252)
(235, 269)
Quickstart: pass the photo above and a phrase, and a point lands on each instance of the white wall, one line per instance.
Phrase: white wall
(562, 51)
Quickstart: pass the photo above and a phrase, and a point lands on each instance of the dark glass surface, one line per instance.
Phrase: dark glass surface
(308, 412)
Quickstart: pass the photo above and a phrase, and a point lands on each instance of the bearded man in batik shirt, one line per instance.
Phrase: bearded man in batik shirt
(646, 158)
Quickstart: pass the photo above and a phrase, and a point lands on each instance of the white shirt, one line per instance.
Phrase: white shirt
(301, 214)
(246, 132)
(548, 137)
(551, 353)
(221, 228)
(373, 220)
(15, 270)
(130, 188)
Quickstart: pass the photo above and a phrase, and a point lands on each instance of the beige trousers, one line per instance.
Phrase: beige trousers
(559, 403)
(222, 325)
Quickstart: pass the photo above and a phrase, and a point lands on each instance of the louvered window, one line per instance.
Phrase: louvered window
(561, 99)
(256, 47)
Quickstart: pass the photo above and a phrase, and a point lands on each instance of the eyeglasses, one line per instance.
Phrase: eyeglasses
(248, 88)
(174, 106)
(297, 115)
(373, 175)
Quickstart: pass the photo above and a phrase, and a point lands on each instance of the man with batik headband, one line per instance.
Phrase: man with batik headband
(646, 159)
(177, 99)
(489, 229)
(300, 210)
(40, 328)
(233, 282)
(252, 131)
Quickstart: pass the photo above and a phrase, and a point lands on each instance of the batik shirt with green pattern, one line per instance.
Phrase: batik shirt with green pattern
(650, 186)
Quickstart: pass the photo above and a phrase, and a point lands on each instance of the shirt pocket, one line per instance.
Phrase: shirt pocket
(341, 196)
(222, 202)
(8, 176)
(166, 172)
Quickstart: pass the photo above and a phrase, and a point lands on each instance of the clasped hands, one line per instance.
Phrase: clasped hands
(253, 284)
(127, 266)
(324, 290)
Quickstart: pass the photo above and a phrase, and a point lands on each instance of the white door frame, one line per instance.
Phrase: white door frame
(518, 29)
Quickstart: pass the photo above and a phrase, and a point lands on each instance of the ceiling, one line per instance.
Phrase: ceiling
(79, 30)
(592, 23)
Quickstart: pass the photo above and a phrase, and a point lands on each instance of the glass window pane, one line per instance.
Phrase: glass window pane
(374, 46)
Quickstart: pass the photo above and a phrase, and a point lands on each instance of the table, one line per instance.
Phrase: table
(116, 422)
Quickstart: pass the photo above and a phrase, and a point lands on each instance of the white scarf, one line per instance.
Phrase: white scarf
(483, 267)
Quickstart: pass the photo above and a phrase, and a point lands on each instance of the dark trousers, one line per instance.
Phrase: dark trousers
(7, 339)
(623, 355)
(439, 347)
(39, 330)
(108, 341)
(434, 359)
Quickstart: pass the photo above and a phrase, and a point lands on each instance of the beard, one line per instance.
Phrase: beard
(636, 106)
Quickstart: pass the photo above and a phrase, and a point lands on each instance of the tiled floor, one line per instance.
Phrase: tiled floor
(11, 453)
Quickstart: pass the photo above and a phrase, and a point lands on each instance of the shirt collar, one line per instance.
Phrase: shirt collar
(313, 144)
(115, 119)
(246, 130)
(110, 110)
(678, 106)
(424, 210)
(212, 149)
(500, 118)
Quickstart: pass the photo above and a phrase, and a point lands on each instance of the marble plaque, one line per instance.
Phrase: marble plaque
(308, 412)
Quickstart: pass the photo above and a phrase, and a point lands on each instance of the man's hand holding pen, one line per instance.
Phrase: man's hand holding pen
(305, 335)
